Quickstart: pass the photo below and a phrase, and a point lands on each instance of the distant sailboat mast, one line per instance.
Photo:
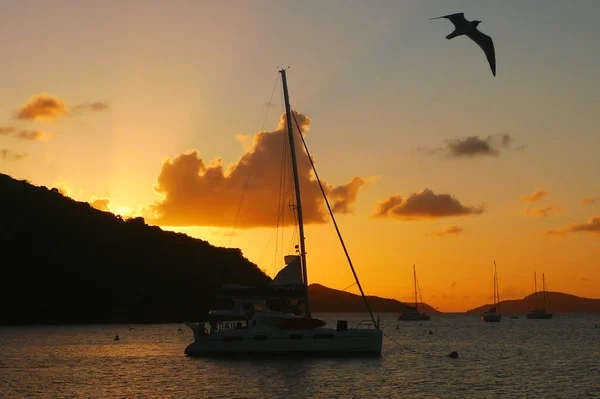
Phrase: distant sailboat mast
(537, 306)
(288, 119)
(415, 282)
(544, 288)
(496, 290)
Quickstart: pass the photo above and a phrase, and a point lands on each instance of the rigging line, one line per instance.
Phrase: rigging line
(250, 166)
(335, 224)
(350, 286)
(420, 296)
(281, 197)
(412, 350)
(280, 201)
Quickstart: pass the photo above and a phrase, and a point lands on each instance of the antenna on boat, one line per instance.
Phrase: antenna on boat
(288, 119)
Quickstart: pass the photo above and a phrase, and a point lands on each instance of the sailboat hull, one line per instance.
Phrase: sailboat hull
(414, 317)
(491, 318)
(316, 342)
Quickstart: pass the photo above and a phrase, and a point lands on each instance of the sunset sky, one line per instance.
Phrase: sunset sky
(158, 108)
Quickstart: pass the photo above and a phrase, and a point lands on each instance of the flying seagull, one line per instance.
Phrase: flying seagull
(469, 28)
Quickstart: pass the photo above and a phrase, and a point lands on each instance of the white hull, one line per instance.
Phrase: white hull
(316, 342)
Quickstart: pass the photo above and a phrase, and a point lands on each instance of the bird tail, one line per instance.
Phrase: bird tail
(452, 35)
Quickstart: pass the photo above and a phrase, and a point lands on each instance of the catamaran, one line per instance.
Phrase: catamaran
(250, 326)
(412, 312)
(539, 313)
(493, 314)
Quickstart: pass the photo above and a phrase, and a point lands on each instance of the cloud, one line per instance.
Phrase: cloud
(474, 146)
(589, 200)
(196, 193)
(92, 107)
(447, 231)
(42, 107)
(537, 195)
(102, 204)
(592, 226)
(6, 130)
(453, 284)
(63, 188)
(8, 155)
(25, 134)
(542, 212)
(343, 197)
(424, 205)
(47, 107)
(510, 292)
(33, 135)
(226, 234)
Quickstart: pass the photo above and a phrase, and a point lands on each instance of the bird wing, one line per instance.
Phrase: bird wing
(487, 45)
(457, 19)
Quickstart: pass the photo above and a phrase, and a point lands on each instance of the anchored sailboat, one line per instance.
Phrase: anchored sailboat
(539, 313)
(250, 327)
(412, 312)
(493, 314)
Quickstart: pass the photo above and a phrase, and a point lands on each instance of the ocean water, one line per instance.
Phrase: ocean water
(520, 358)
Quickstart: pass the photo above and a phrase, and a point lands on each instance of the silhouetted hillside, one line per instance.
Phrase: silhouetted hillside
(323, 299)
(556, 302)
(62, 261)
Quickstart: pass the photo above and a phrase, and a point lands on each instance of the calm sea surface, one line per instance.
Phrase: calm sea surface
(558, 358)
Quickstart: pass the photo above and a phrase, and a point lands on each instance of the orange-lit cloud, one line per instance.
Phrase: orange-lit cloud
(93, 107)
(8, 155)
(590, 200)
(424, 205)
(33, 135)
(6, 130)
(102, 204)
(226, 234)
(25, 134)
(542, 212)
(510, 292)
(537, 195)
(42, 107)
(196, 193)
(474, 146)
(592, 226)
(446, 231)
(63, 188)
(47, 107)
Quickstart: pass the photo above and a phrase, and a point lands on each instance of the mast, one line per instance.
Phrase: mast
(544, 288)
(288, 119)
(535, 288)
(496, 290)
(494, 283)
(415, 281)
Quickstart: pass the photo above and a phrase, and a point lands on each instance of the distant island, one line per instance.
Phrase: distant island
(557, 302)
(64, 262)
(325, 300)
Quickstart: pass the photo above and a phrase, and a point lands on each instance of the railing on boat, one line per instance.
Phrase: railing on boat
(366, 324)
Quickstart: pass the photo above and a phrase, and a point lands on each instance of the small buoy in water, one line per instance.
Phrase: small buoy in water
(453, 355)
(131, 328)
(117, 337)
(430, 332)
(595, 325)
(397, 328)
(179, 329)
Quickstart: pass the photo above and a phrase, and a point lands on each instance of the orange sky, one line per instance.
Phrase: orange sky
(428, 159)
